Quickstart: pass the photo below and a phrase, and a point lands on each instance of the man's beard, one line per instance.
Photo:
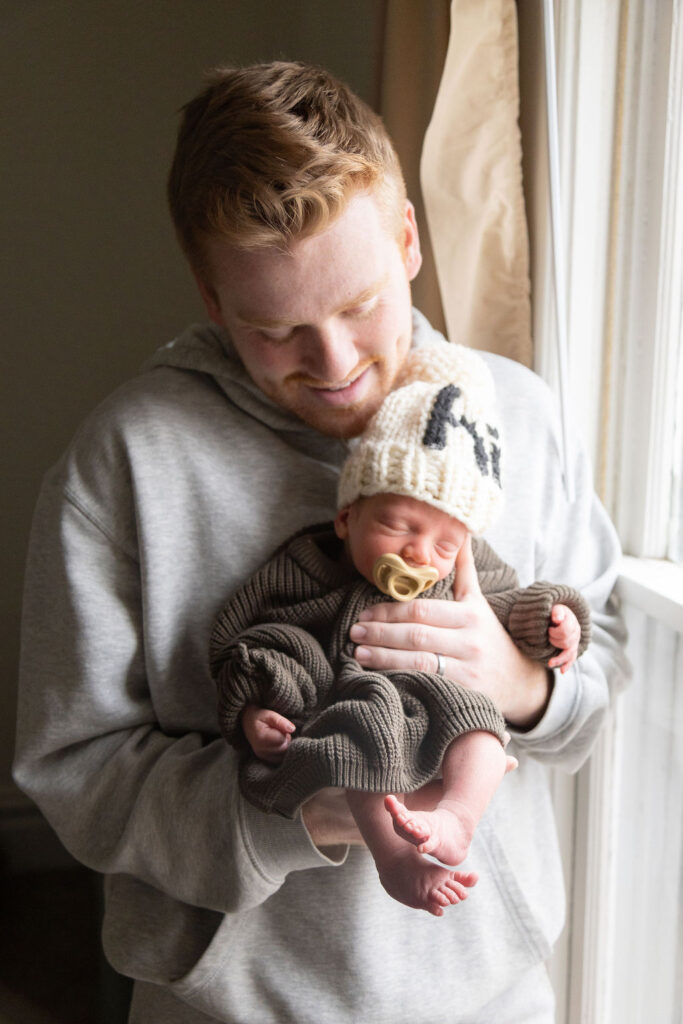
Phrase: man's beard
(347, 421)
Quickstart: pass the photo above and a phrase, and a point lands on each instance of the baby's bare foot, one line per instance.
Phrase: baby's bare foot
(419, 883)
(445, 833)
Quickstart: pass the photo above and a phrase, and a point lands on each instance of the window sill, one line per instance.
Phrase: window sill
(654, 586)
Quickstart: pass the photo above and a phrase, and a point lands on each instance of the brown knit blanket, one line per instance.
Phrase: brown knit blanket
(282, 643)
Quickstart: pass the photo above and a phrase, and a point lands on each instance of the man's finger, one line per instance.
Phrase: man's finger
(466, 579)
(444, 614)
(406, 637)
(383, 659)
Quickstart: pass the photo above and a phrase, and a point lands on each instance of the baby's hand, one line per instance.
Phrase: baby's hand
(268, 733)
(565, 633)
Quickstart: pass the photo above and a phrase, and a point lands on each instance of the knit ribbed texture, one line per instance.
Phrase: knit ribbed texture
(282, 643)
(524, 617)
(435, 438)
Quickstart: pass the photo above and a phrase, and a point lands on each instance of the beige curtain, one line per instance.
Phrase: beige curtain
(471, 176)
(413, 39)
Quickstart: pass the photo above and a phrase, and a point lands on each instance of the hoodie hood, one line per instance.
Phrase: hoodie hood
(207, 348)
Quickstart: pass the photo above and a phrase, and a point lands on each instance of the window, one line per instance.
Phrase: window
(643, 451)
(620, 96)
(676, 532)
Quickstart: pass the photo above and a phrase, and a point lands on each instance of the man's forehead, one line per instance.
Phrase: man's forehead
(256, 317)
(340, 264)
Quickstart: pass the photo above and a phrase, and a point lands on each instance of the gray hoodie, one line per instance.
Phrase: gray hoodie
(173, 491)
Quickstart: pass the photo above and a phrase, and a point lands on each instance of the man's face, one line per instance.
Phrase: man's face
(324, 328)
(391, 524)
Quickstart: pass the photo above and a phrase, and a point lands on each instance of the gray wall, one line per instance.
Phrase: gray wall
(93, 280)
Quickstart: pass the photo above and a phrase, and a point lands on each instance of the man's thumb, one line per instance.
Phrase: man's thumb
(466, 579)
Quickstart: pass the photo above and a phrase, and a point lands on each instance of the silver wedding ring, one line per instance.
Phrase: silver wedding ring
(440, 667)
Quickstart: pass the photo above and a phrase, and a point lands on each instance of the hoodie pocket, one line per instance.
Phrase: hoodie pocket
(494, 860)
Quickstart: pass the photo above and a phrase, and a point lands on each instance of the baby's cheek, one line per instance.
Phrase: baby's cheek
(445, 567)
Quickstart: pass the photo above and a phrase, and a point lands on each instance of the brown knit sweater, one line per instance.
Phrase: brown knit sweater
(282, 643)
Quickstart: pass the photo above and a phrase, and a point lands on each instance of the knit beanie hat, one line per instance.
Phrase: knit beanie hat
(435, 438)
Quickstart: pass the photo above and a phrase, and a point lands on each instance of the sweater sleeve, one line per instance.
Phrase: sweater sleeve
(579, 700)
(573, 541)
(525, 613)
(273, 666)
(124, 795)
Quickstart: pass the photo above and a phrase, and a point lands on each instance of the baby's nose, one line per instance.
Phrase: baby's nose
(417, 552)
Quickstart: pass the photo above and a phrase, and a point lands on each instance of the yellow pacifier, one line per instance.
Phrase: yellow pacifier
(401, 581)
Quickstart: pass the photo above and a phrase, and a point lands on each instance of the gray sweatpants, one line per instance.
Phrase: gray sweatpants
(529, 1001)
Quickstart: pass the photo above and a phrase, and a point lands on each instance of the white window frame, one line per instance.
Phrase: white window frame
(620, 89)
(620, 148)
(648, 282)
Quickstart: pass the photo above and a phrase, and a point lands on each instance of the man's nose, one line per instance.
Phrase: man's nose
(331, 353)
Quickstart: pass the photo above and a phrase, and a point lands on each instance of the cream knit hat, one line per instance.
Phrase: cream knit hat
(436, 438)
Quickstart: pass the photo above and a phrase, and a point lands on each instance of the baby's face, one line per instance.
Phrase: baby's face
(393, 524)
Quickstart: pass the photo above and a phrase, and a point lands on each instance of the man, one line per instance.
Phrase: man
(289, 203)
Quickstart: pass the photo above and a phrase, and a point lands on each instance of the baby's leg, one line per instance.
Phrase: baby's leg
(473, 767)
(405, 874)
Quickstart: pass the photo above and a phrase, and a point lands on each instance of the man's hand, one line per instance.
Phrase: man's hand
(476, 651)
(268, 733)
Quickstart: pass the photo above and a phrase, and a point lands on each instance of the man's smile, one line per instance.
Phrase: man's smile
(346, 393)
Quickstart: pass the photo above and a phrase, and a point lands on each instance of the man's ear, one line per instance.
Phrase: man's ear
(341, 523)
(412, 254)
(210, 300)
